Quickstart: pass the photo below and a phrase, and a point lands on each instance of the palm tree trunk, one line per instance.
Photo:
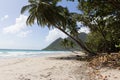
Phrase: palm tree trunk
(79, 42)
(104, 37)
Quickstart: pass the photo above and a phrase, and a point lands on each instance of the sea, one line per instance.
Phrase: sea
(21, 53)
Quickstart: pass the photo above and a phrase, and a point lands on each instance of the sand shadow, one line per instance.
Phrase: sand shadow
(70, 57)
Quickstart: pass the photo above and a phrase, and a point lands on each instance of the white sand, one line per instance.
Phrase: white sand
(51, 67)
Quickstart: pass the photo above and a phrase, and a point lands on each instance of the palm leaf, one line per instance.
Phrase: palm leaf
(25, 8)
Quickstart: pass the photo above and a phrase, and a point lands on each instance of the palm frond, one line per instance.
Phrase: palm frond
(25, 8)
(33, 1)
(45, 13)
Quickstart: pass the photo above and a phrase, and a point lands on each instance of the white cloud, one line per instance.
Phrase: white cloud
(84, 29)
(4, 17)
(19, 25)
(24, 34)
(54, 34)
(19, 28)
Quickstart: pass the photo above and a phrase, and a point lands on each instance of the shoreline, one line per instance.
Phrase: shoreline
(50, 67)
(24, 54)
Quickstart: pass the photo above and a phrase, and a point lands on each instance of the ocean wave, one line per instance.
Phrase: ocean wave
(8, 54)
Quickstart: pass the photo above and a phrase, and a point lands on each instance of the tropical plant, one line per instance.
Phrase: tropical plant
(47, 12)
(102, 17)
(67, 43)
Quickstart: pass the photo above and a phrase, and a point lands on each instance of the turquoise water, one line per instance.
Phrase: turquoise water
(14, 53)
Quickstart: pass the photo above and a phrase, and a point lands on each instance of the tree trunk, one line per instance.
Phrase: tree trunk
(80, 43)
(104, 37)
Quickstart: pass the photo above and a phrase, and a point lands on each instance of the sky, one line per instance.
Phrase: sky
(15, 34)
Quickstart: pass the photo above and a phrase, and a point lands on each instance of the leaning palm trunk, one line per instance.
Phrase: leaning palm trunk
(40, 10)
(80, 43)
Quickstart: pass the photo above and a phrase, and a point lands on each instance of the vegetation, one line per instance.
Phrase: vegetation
(65, 45)
(101, 16)
(60, 18)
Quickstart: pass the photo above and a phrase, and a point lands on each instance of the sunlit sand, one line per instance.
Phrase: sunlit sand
(51, 67)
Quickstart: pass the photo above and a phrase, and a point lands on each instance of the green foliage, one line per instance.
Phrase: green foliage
(60, 45)
(103, 19)
(94, 41)
(47, 12)
(101, 16)
(56, 45)
(66, 44)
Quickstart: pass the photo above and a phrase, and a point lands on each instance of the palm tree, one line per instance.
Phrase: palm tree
(45, 12)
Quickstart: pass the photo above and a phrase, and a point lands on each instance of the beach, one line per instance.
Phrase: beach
(49, 67)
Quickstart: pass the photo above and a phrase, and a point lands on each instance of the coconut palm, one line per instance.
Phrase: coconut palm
(45, 12)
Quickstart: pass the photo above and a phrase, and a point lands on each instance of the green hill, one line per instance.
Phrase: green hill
(56, 45)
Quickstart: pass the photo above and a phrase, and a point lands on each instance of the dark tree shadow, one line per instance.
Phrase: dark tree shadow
(71, 57)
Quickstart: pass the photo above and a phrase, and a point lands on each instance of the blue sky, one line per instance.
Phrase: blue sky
(14, 34)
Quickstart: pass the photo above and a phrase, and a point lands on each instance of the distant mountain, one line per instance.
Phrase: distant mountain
(56, 45)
